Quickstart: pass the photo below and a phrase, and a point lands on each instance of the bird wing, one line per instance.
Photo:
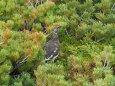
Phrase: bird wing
(52, 50)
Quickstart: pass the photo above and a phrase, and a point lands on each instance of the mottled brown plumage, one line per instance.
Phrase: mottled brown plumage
(52, 47)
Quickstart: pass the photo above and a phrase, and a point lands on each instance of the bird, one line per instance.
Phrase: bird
(52, 47)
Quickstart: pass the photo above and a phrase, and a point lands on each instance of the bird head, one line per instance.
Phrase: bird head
(55, 32)
(56, 29)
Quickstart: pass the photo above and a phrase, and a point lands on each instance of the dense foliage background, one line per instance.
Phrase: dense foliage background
(87, 39)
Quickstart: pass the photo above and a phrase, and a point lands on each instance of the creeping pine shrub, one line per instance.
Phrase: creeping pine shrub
(50, 74)
(86, 35)
(23, 80)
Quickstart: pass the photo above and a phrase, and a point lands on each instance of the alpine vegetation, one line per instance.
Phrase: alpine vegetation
(57, 42)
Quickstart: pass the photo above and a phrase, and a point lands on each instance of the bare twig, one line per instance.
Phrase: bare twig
(98, 40)
(24, 60)
(36, 4)
(31, 4)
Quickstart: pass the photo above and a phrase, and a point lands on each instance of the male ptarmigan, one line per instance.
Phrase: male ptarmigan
(52, 47)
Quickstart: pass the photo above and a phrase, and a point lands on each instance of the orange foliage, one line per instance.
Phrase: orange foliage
(28, 51)
(35, 36)
(7, 32)
(33, 15)
(49, 28)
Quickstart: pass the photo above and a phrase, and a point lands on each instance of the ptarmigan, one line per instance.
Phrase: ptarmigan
(52, 47)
